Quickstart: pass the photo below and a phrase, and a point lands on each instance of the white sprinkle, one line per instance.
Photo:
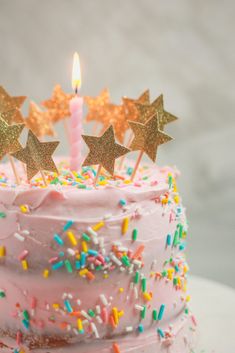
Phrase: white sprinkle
(69, 327)
(122, 269)
(122, 248)
(71, 251)
(64, 295)
(136, 293)
(101, 242)
(139, 307)
(92, 232)
(103, 299)
(115, 259)
(129, 328)
(85, 315)
(19, 237)
(25, 232)
(98, 310)
(94, 329)
(78, 302)
(75, 331)
(107, 216)
(137, 263)
(99, 320)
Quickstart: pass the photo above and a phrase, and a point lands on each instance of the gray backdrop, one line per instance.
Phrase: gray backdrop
(182, 48)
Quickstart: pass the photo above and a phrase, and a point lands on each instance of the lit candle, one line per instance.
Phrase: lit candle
(75, 127)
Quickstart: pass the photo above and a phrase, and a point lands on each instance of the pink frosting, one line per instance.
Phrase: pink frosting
(49, 210)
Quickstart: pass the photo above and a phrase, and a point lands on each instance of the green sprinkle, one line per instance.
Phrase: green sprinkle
(2, 294)
(126, 261)
(175, 281)
(144, 285)
(91, 313)
(81, 186)
(137, 277)
(55, 181)
(180, 231)
(26, 315)
(86, 237)
(2, 215)
(154, 314)
(68, 266)
(134, 234)
(164, 273)
(143, 312)
(176, 238)
(186, 311)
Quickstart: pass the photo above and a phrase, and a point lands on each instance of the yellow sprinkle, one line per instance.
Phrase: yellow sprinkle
(184, 235)
(72, 238)
(147, 296)
(103, 182)
(46, 273)
(121, 313)
(121, 290)
(80, 326)
(2, 251)
(165, 201)
(188, 298)
(24, 265)
(24, 208)
(179, 281)
(78, 256)
(186, 269)
(185, 287)
(127, 181)
(56, 306)
(170, 272)
(83, 272)
(105, 276)
(176, 198)
(115, 315)
(98, 226)
(175, 189)
(125, 225)
(84, 246)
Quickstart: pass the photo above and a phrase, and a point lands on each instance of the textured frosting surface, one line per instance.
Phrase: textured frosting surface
(84, 269)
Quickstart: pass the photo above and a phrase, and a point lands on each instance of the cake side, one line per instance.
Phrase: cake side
(94, 265)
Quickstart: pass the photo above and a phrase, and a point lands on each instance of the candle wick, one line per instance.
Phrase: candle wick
(76, 90)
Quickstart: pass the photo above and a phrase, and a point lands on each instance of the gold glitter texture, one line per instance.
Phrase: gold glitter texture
(9, 135)
(147, 137)
(96, 106)
(103, 150)
(146, 111)
(37, 155)
(131, 111)
(58, 104)
(8, 103)
(39, 121)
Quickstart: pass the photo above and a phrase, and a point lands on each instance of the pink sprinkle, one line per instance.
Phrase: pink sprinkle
(194, 320)
(53, 259)
(104, 315)
(23, 255)
(97, 262)
(91, 259)
(18, 338)
(33, 303)
(101, 259)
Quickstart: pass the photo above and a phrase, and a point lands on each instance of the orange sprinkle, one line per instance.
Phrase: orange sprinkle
(90, 275)
(112, 322)
(139, 251)
(116, 348)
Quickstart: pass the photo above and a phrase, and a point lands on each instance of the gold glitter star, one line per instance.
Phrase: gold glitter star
(58, 104)
(39, 121)
(8, 103)
(37, 155)
(130, 108)
(96, 106)
(103, 150)
(9, 135)
(156, 107)
(147, 137)
(115, 115)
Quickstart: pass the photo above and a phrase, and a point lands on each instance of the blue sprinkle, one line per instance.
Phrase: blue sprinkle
(129, 171)
(161, 312)
(61, 253)
(68, 306)
(168, 239)
(176, 268)
(92, 252)
(58, 239)
(25, 323)
(141, 328)
(160, 332)
(57, 265)
(83, 259)
(77, 265)
(68, 225)
(182, 246)
(107, 259)
(122, 202)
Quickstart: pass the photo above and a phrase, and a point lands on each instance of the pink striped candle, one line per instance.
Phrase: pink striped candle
(75, 128)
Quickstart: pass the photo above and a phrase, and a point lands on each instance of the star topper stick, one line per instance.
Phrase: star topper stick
(103, 151)
(9, 135)
(147, 138)
(37, 156)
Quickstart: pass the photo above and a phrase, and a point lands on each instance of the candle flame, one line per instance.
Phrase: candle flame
(76, 73)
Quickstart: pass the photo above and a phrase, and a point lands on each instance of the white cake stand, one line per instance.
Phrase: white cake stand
(214, 307)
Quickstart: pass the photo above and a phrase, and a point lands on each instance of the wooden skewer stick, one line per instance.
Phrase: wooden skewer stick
(137, 165)
(17, 178)
(124, 156)
(43, 177)
(97, 174)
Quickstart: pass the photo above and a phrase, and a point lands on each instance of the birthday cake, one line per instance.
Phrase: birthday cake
(92, 257)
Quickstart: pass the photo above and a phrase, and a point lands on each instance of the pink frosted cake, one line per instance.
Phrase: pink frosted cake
(94, 270)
